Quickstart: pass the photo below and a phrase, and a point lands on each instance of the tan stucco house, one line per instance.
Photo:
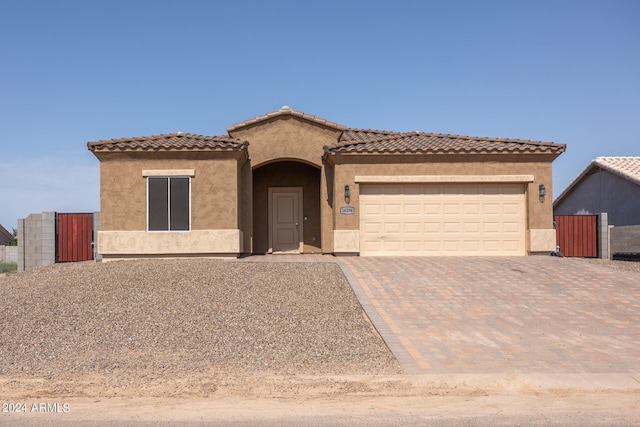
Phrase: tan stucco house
(289, 182)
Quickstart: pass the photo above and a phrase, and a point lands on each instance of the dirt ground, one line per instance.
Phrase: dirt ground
(327, 400)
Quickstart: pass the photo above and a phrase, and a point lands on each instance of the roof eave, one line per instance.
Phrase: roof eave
(169, 149)
(344, 151)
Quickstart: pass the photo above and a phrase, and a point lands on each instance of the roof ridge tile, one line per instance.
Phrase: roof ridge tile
(285, 111)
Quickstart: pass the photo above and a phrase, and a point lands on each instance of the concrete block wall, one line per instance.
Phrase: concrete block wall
(8, 254)
(603, 236)
(625, 239)
(36, 241)
(96, 228)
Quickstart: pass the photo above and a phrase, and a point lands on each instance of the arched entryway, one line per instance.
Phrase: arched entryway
(286, 208)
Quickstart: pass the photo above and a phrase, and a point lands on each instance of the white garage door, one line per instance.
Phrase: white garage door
(442, 219)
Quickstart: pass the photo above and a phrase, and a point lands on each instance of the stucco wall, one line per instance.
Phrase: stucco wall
(123, 189)
(123, 244)
(246, 207)
(287, 174)
(539, 213)
(287, 137)
(287, 151)
(603, 192)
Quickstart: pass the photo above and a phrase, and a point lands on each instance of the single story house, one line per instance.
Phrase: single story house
(290, 182)
(608, 184)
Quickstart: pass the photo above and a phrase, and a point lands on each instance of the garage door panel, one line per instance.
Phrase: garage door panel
(451, 246)
(412, 209)
(392, 245)
(471, 227)
(432, 208)
(472, 246)
(491, 209)
(511, 245)
(433, 247)
(392, 227)
(451, 227)
(432, 227)
(372, 246)
(412, 228)
(511, 227)
(393, 208)
(372, 227)
(413, 246)
(491, 227)
(447, 219)
(491, 245)
(471, 208)
(371, 209)
(510, 209)
(451, 209)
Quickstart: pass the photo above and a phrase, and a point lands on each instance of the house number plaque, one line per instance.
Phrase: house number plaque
(347, 210)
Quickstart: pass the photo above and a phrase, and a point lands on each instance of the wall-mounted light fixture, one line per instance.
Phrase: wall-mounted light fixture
(347, 194)
(542, 192)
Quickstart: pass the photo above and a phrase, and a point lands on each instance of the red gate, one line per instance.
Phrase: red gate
(74, 237)
(577, 235)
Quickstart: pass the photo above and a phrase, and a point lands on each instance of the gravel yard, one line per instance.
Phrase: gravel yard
(130, 322)
(630, 266)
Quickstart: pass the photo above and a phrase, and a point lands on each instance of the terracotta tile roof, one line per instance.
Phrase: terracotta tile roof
(363, 135)
(625, 167)
(171, 141)
(285, 111)
(369, 141)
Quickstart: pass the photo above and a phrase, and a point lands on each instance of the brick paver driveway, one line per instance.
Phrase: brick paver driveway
(501, 315)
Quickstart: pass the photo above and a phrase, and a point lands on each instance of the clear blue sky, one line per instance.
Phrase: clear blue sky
(79, 71)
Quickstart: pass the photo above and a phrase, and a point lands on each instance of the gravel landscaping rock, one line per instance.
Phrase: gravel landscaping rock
(146, 319)
(630, 266)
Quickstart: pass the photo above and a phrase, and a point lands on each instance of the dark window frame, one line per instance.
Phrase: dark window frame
(182, 220)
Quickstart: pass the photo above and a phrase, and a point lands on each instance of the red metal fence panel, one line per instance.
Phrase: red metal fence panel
(74, 237)
(577, 235)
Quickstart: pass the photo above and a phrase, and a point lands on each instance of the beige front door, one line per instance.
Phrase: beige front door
(285, 214)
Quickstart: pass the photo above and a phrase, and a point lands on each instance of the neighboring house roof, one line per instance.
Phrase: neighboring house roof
(625, 167)
(370, 141)
(285, 111)
(5, 236)
(172, 141)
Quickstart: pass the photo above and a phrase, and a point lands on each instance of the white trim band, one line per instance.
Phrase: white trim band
(441, 178)
(169, 172)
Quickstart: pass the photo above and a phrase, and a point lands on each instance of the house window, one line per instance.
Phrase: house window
(168, 203)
